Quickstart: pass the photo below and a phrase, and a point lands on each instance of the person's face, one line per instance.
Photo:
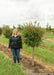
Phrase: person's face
(15, 31)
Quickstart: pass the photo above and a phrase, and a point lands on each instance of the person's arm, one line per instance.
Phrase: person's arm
(20, 42)
(9, 42)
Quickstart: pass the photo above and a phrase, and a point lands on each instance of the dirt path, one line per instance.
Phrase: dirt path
(26, 62)
(6, 56)
(49, 40)
(50, 48)
(46, 46)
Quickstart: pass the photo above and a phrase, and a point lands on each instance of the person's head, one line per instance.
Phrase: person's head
(15, 32)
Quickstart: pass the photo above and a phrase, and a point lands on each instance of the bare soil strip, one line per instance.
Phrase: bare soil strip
(47, 47)
(49, 40)
(26, 62)
(44, 46)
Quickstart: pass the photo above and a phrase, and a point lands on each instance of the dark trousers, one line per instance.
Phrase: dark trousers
(15, 53)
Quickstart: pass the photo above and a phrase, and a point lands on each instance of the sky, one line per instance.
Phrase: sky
(14, 12)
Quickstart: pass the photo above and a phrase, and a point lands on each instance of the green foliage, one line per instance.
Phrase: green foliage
(32, 35)
(4, 28)
(20, 27)
(38, 25)
(48, 28)
(0, 31)
(7, 31)
(53, 31)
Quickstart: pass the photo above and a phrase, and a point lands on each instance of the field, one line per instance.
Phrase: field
(43, 54)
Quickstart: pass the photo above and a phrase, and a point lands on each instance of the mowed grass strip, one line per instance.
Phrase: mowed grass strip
(48, 43)
(44, 54)
(9, 68)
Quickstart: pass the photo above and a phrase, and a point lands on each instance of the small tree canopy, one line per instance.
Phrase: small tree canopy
(32, 35)
(7, 31)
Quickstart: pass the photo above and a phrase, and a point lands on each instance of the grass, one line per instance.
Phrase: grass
(4, 40)
(44, 54)
(48, 43)
(8, 68)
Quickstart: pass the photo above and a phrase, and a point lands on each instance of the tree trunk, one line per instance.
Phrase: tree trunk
(33, 57)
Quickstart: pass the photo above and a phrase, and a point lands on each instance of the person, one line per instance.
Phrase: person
(15, 45)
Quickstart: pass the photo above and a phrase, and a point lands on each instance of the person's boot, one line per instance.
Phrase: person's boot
(19, 63)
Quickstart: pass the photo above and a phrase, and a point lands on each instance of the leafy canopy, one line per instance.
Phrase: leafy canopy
(32, 35)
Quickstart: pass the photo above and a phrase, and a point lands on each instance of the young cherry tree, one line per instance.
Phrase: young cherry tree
(32, 36)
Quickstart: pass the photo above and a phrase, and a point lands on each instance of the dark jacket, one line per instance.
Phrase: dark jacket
(15, 42)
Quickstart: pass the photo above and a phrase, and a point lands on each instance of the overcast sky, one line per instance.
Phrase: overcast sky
(21, 11)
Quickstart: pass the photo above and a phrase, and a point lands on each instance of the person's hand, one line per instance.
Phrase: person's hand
(20, 48)
(9, 49)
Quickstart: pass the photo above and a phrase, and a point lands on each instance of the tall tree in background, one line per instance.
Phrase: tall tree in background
(19, 27)
(14, 27)
(38, 25)
(50, 28)
(47, 27)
